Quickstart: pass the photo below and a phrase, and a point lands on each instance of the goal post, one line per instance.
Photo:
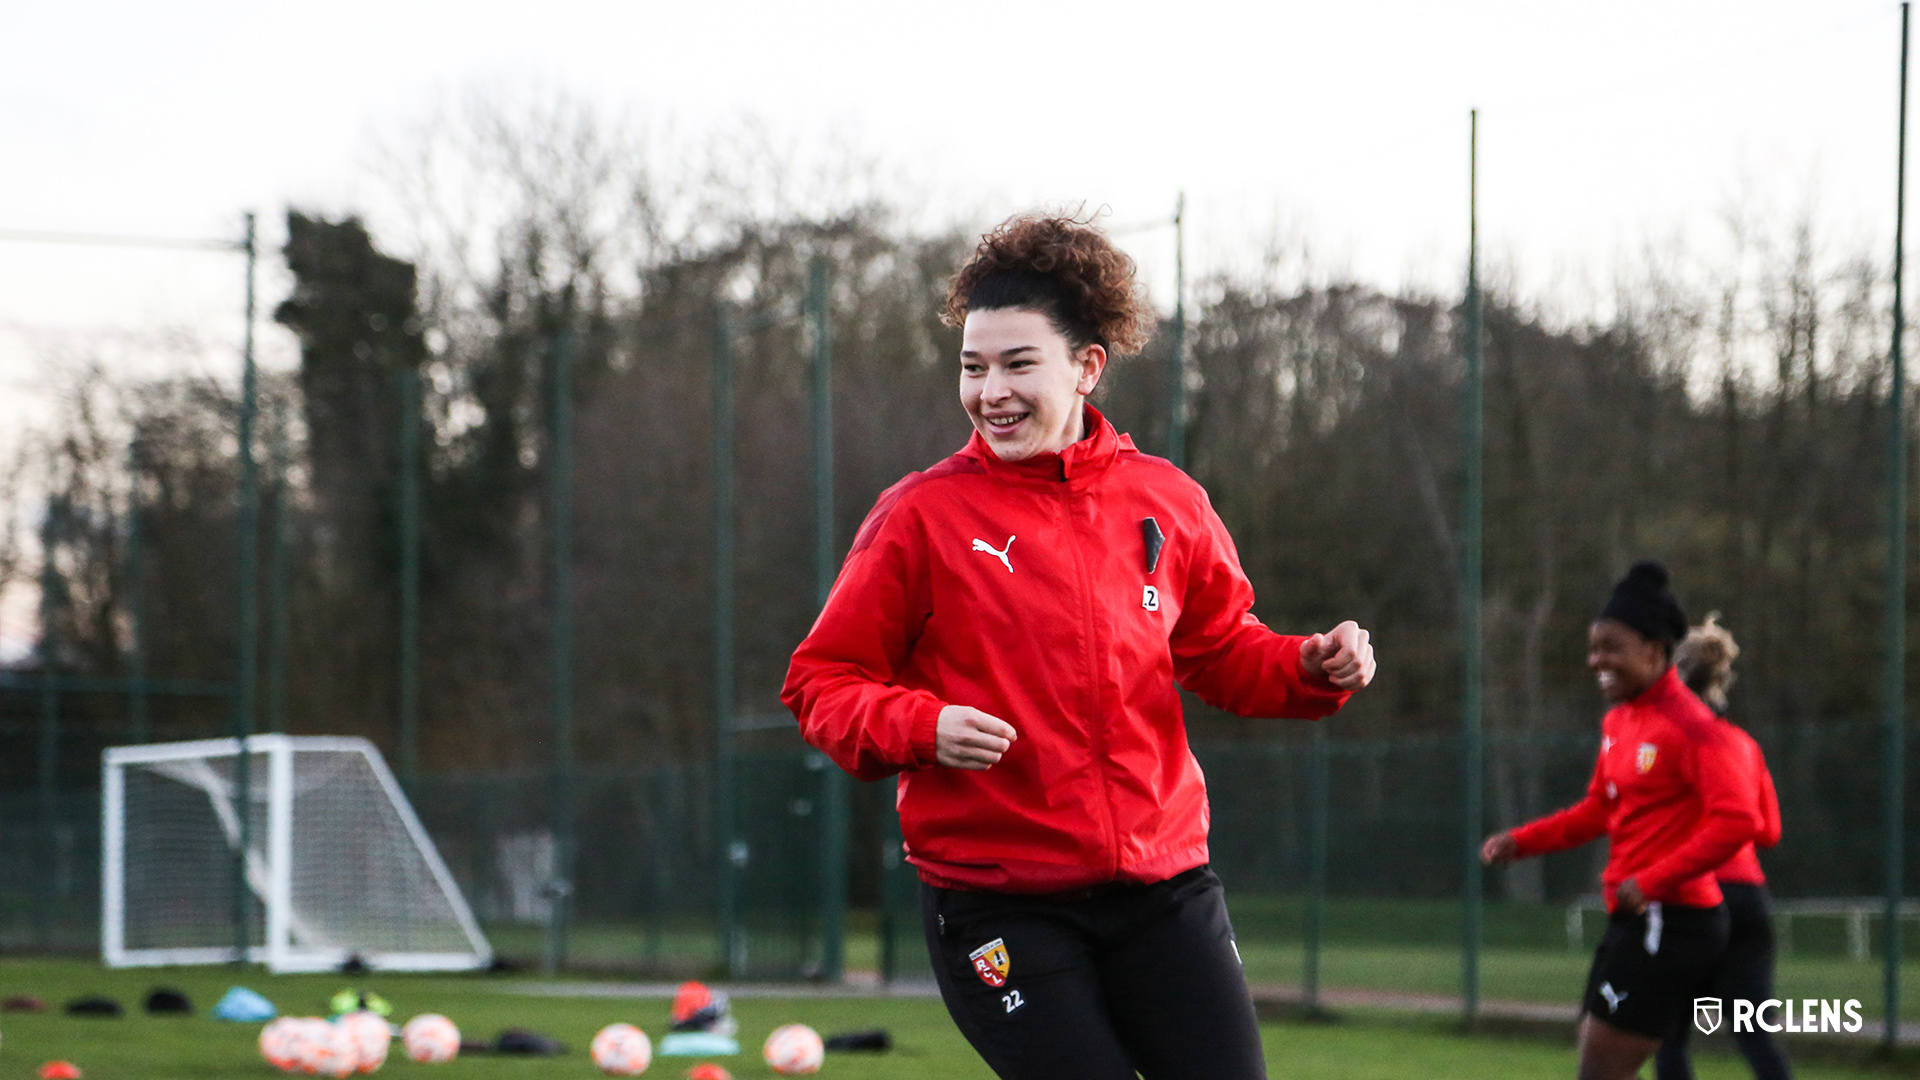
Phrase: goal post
(337, 863)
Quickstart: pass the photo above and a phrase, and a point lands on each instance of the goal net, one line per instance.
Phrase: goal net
(336, 864)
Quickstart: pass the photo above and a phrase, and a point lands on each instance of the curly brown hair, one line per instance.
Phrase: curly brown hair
(1705, 659)
(1062, 267)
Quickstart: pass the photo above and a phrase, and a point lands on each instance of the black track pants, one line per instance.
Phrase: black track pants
(1747, 972)
(1098, 986)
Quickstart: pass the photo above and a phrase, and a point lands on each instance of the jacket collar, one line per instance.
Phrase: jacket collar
(1665, 689)
(1077, 464)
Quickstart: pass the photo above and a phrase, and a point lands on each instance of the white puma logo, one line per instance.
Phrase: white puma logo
(1613, 999)
(999, 553)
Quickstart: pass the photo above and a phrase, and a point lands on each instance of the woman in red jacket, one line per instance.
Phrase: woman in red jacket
(1008, 635)
(1705, 663)
(1669, 794)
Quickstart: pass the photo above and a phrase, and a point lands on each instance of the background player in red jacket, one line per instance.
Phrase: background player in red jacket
(1704, 661)
(1006, 636)
(1669, 793)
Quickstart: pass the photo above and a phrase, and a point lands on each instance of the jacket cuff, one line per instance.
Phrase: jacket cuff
(1314, 687)
(1526, 841)
(920, 736)
(1655, 886)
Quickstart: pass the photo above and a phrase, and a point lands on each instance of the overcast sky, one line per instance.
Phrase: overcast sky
(1602, 125)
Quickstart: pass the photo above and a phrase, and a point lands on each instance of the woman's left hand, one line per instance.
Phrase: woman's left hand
(1343, 655)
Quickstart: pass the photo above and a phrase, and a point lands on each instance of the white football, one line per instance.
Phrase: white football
(317, 1048)
(342, 1055)
(370, 1036)
(794, 1049)
(431, 1039)
(276, 1044)
(622, 1050)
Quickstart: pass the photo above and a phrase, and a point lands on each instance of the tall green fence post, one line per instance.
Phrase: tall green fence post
(732, 853)
(895, 898)
(47, 774)
(560, 510)
(279, 570)
(248, 659)
(1893, 759)
(1472, 768)
(833, 816)
(1318, 794)
(410, 568)
(1177, 358)
(139, 726)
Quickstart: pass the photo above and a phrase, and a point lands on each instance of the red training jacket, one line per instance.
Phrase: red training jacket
(1030, 590)
(1669, 792)
(1744, 867)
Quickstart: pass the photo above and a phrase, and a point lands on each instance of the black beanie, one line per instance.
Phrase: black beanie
(1643, 601)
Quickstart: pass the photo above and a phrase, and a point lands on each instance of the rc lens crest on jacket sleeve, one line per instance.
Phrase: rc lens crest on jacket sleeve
(1643, 760)
(990, 962)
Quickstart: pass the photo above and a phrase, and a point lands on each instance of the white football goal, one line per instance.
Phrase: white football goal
(337, 865)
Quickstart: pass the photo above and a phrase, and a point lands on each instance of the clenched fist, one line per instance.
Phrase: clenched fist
(1344, 655)
(966, 738)
(1499, 850)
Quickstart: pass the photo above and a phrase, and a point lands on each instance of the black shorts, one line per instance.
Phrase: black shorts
(1650, 967)
(1100, 985)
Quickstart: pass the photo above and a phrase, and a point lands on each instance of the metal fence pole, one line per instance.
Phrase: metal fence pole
(1472, 752)
(1893, 759)
(1177, 359)
(279, 615)
(892, 903)
(560, 491)
(247, 572)
(139, 727)
(1317, 813)
(410, 571)
(833, 795)
(732, 852)
(48, 765)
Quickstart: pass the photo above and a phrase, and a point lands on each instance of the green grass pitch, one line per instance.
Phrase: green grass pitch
(1361, 1046)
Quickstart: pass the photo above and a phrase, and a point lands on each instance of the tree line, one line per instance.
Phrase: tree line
(1730, 422)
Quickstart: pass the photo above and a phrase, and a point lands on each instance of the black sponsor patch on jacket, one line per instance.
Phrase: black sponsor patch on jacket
(1150, 532)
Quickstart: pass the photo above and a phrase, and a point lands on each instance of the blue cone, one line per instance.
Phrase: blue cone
(244, 1006)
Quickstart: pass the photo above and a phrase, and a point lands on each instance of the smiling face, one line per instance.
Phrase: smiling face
(1623, 662)
(1023, 384)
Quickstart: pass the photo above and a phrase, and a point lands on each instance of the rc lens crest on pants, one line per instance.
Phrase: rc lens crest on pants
(990, 962)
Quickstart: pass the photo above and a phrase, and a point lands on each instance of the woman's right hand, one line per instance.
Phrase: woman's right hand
(1499, 850)
(966, 738)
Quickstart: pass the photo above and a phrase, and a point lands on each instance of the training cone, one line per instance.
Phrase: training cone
(59, 1070)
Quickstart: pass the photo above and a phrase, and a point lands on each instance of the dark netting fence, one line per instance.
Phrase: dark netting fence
(648, 897)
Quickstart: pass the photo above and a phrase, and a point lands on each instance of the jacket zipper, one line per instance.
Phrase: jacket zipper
(1094, 715)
